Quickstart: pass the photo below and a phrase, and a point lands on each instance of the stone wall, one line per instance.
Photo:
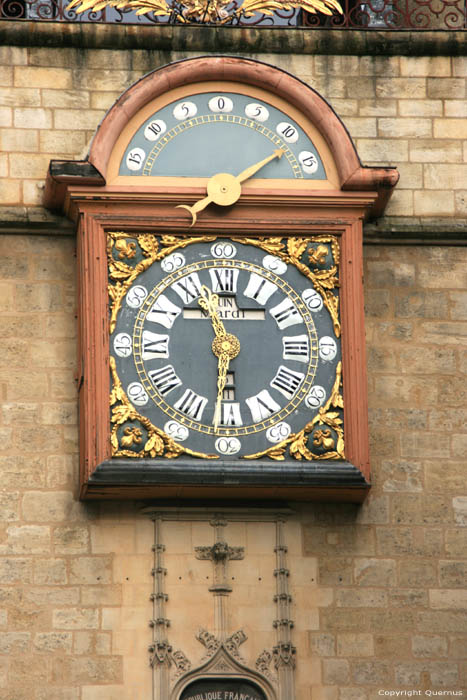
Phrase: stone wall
(379, 598)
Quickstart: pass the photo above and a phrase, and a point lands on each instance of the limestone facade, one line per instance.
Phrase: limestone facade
(378, 591)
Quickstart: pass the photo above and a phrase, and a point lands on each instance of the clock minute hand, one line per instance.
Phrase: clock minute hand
(252, 169)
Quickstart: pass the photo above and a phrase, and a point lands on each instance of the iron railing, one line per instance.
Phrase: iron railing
(371, 14)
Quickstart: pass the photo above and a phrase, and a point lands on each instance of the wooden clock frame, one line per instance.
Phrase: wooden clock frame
(99, 205)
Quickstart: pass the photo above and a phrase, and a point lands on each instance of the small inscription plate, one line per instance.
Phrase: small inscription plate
(222, 689)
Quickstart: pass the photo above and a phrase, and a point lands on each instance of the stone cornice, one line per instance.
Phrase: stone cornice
(234, 40)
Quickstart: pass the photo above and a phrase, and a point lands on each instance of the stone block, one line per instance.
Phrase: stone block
(52, 595)
(9, 506)
(391, 646)
(442, 599)
(450, 128)
(391, 127)
(91, 570)
(25, 97)
(42, 77)
(71, 540)
(25, 140)
(75, 618)
(322, 644)
(381, 274)
(439, 478)
(371, 672)
(361, 127)
(429, 646)
(446, 176)
(421, 108)
(401, 476)
(50, 642)
(377, 108)
(452, 574)
(446, 88)
(455, 108)
(102, 100)
(388, 151)
(107, 595)
(412, 88)
(434, 203)
(51, 506)
(459, 504)
(361, 598)
(82, 119)
(421, 304)
(422, 66)
(336, 671)
(10, 192)
(441, 621)
(64, 142)
(50, 572)
(87, 670)
(27, 539)
(32, 118)
(435, 151)
(351, 644)
(67, 99)
(11, 642)
(375, 572)
(408, 597)
(335, 571)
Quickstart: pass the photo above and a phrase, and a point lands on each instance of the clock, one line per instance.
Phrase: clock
(221, 328)
(225, 347)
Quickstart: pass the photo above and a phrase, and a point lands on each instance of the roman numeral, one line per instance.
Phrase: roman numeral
(287, 381)
(231, 414)
(224, 279)
(155, 345)
(163, 312)
(191, 404)
(164, 379)
(188, 288)
(259, 289)
(262, 406)
(286, 314)
(296, 347)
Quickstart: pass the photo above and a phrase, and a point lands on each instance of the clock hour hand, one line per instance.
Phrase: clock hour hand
(225, 346)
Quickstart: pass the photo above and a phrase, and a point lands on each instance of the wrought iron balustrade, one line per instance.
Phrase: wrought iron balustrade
(371, 14)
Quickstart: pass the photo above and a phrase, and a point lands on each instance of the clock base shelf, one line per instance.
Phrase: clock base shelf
(319, 480)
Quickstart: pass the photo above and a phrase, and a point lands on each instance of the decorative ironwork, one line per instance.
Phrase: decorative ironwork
(371, 14)
(208, 11)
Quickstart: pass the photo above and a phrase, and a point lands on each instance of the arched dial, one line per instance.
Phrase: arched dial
(224, 347)
(220, 132)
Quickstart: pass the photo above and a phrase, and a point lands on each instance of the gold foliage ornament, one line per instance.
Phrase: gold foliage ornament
(207, 11)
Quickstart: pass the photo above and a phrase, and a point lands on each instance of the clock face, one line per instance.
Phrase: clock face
(215, 132)
(226, 346)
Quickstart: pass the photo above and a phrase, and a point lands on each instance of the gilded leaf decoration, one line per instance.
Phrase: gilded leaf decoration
(207, 11)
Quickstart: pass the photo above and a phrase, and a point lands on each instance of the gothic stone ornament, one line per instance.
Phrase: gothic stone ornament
(225, 348)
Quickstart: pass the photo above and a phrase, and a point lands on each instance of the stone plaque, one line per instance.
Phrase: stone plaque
(222, 689)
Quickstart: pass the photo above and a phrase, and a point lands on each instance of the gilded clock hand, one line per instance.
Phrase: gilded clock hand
(225, 346)
(222, 369)
(249, 172)
(225, 189)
